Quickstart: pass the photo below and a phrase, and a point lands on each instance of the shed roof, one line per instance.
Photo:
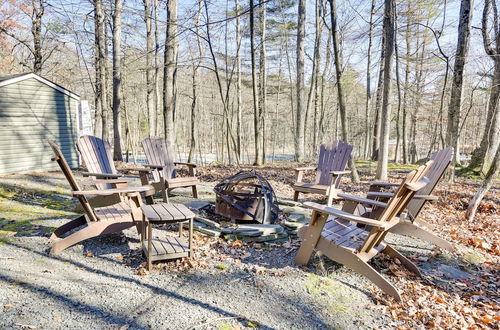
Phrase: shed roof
(14, 78)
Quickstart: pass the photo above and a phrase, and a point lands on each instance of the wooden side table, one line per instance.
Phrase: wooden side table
(171, 247)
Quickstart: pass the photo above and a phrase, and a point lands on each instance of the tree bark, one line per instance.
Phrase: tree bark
(262, 78)
(457, 81)
(150, 83)
(368, 82)
(491, 134)
(194, 104)
(340, 89)
(117, 80)
(36, 31)
(256, 123)
(388, 30)
(300, 122)
(169, 71)
(238, 81)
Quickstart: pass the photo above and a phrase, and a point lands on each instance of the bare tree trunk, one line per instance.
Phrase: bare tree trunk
(256, 122)
(158, 101)
(238, 81)
(314, 77)
(169, 71)
(491, 134)
(194, 104)
(150, 84)
(36, 31)
(405, 95)
(340, 91)
(101, 88)
(388, 29)
(398, 85)
(368, 82)
(457, 82)
(262, 78)
(378, 102)
(117, 80)
(300, 122)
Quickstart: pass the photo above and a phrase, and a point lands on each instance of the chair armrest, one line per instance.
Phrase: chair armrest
(105, 192)
(416, 186)
(102, 175)
(185, 164)
(362, 200)
(306, 168)
(155, 166)
(104, 181)
(340, 172)
(384, 184)
(389, 195)
(346, 216)
(137, 169)
(427, 197)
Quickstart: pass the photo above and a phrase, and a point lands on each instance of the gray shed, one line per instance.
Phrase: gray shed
(32, 110)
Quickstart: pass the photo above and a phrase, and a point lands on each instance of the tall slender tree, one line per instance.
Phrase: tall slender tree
(256, 117)
(388, 30)
(117, 79)
(452, 131)
(491, 135)
(150, 83)
(169, 71)
(300, 122)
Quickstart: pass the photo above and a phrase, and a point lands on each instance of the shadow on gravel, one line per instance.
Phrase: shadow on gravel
(72, 304)
(153, 288)
(272, 294)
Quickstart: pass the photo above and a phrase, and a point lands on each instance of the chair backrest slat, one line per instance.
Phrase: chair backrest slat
(332, 157)
(442, 160)
(160, 151)
(97, 157)
(396, 204)
(63, 164)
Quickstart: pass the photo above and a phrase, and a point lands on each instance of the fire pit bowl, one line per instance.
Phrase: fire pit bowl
(246, 197)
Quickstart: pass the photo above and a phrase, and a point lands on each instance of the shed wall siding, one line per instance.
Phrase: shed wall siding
(30, 113)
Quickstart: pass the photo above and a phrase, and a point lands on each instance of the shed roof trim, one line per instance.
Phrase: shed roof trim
(20, 77)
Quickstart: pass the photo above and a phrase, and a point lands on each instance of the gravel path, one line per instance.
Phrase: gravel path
(96, 285)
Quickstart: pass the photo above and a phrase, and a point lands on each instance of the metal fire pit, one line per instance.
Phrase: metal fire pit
(246, 196)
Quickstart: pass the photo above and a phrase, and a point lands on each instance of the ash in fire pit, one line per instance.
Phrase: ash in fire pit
(246, 196)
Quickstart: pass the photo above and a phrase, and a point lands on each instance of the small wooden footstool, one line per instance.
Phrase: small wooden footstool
(171, 247)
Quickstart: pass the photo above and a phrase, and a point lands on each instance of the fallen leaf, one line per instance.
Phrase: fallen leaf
(89, 254)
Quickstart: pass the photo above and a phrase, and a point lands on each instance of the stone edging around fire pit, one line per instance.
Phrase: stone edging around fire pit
(292, 218)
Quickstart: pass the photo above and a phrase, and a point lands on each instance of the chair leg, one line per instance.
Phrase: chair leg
(410, 229)
(329, 201)
(354, 262)
(390, 251)
(296, 196)
(77, 222)
(311, 237)
(92, 230)
(195, 191)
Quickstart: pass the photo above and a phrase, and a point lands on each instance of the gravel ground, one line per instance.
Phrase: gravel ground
(96, 284)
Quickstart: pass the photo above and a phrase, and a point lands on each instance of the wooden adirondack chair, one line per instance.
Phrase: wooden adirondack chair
(97, 157)
(160, 155)
(414, 226)
(97, 221)
(332, 162)
(335, 233)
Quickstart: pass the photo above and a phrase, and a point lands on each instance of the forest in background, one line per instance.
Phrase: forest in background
(250, 80)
